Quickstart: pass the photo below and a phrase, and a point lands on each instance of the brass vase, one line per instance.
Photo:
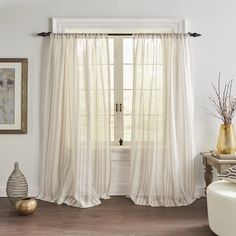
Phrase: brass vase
(226, 143)
(26, 206)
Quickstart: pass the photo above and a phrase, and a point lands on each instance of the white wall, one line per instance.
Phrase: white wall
(215, 51)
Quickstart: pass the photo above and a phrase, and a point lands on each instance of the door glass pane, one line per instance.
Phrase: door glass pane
(128, 76)
(112, 101)
(128, 101)
(153, 77)
(81, 51)
(111, 50)
(112, 127)
(127, 127)
(97, 73)
(112, 76)
(128, 50)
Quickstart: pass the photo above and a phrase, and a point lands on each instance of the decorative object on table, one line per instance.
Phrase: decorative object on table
(224, 104)
(13, 95)
(226, 143)
(222, 156)
(229, 175)
(17, 187)
(26, 206)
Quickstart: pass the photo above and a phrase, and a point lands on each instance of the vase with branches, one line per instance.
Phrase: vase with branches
(224, 105)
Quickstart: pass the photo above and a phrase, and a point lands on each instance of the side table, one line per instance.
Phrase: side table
(210, 161)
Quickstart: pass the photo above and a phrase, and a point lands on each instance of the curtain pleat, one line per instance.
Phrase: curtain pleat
(162, 151)
(75, 120)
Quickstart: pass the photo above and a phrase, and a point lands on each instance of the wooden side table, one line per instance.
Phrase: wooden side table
(210, 161)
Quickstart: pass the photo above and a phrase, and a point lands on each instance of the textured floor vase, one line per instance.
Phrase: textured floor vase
(17, 187)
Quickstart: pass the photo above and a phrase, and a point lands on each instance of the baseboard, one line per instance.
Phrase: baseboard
(199, 192)
(116, 189)
(33, 191)
(119, 189)
(123, 189)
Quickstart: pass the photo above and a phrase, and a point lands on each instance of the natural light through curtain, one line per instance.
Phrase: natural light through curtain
(162, 124)
(76, 120)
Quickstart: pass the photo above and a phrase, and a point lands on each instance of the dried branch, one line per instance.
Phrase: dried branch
(223, 103)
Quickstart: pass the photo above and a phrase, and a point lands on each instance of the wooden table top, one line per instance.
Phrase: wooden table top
(218, 160)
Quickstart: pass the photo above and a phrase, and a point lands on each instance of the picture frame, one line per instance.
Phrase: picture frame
(13, 95)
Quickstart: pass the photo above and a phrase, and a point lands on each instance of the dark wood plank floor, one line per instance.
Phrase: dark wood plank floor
(116, 216)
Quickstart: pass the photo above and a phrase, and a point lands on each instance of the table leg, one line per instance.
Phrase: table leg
(208, 175)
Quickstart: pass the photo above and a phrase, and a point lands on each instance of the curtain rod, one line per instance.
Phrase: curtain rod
(45, 34)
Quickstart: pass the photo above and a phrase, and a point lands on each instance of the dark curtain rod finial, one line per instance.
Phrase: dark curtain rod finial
(45, 34)
(194, 34)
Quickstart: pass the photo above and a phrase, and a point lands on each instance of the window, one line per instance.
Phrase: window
(121, 63)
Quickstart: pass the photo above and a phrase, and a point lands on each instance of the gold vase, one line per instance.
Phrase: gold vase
(26, 206)
(226, 143)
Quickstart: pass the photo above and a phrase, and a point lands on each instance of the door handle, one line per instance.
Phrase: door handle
(120, 107)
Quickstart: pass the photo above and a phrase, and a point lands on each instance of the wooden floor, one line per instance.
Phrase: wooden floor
(116, 216)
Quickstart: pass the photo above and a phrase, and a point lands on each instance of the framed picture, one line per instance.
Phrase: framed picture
(13, 95)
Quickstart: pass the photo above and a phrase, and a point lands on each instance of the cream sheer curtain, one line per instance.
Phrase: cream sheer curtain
(162, 150)
(75, 120)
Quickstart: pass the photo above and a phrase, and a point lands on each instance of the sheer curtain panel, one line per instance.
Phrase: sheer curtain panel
(162, 171)
(75, 120)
